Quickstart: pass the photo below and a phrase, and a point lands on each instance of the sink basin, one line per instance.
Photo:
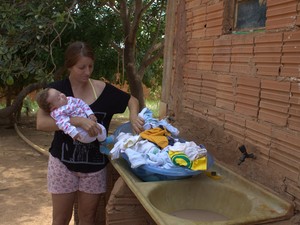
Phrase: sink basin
(197, 196)
(204, 200)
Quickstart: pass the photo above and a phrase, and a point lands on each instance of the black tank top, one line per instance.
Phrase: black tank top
(77, 156)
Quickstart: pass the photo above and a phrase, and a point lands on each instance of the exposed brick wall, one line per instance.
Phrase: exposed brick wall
(123, 208)
(247, 86)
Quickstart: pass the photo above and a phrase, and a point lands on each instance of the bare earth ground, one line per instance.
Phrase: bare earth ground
(24, 199)
(23, 192)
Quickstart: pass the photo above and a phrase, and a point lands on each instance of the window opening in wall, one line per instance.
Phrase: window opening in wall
(250, 14)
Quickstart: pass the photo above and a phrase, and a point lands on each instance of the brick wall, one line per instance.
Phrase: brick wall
(244, 87)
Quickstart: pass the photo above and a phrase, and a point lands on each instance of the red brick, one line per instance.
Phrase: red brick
(290, 70)
(242, 49)
(222, 52)
(268, 70)
(204, 66)
(294, 123)
(272, 117)
(278, 2)
(268, 48)
(277, 161)
(290, 140)
(292, 36)
(192, 74)
(242, 40)
(192, 4)
(241, 58)
(285, 10)
(216, 23)
(268, 38)
(281, 14)
(295, 111)
(191, 57)
(224, 67)
(205, 58)
(215, 7)
(248, 81)
(240, 68)
(244, 109)
(199, 11)
(207, 96)
(199, 25)
(224, 103)
(280, 23)
(190, 65)
(192, 96)
(235, 126)
(291, 47)
(275, 106)
(222, 42)
(276, 85)
(258, 138)
(267, 58)
(205, 43)
(187, 103)
(292, 59)
(198, 33)
(262, 129)
(235, 119)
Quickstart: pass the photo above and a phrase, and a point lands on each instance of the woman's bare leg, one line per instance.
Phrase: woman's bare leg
(87, 208)
(62, 208)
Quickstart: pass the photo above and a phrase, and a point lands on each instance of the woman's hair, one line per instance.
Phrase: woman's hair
(41, 99)
(75, 51)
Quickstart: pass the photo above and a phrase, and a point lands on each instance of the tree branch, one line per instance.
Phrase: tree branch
(150, 57)
(8, 111)
(116, 47)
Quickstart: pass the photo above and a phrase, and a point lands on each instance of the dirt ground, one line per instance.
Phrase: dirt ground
(24, 199)
(23, 191)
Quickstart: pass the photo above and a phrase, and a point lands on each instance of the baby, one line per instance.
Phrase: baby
(62, 108)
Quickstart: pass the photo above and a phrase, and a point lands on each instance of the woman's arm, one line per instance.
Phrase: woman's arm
(136, 121)
(45, 122)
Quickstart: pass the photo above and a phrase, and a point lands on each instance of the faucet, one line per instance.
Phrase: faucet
(245, 155)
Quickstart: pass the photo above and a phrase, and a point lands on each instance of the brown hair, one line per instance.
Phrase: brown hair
(41, 99)
(75, 51)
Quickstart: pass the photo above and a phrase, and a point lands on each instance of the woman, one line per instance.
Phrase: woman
(75, 167)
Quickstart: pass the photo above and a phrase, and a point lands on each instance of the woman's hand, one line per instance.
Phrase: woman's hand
(137, 123)
(90, 126)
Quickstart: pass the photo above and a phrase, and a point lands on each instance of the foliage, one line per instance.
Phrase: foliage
(101, 27)
(34, 35)
(27, 34)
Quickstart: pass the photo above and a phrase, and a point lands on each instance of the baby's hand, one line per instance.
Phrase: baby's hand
(93, 117)
(76, 137)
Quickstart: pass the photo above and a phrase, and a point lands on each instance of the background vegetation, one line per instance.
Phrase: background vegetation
(127, 37)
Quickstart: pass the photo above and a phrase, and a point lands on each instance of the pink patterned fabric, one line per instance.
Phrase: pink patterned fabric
(61, 180)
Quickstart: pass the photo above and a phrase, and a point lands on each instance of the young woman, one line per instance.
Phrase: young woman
(75, 167)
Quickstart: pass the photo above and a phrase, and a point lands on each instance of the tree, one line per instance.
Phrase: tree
(142, 44)
(33, 35)
(28, 31)
(128, 39)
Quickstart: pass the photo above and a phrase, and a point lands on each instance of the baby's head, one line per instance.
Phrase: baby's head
(49, 99)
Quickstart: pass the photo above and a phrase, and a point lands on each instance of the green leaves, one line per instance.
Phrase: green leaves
(28, 33)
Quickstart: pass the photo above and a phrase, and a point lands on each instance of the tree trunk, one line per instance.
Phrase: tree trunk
(135, 82)
(11, 110)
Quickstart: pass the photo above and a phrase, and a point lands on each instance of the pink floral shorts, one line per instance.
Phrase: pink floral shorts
(61, 180)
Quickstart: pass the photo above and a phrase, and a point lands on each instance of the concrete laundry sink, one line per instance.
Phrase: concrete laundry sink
(203, 200)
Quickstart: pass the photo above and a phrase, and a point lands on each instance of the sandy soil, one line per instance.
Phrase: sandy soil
(23, 194)
(24, 199)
